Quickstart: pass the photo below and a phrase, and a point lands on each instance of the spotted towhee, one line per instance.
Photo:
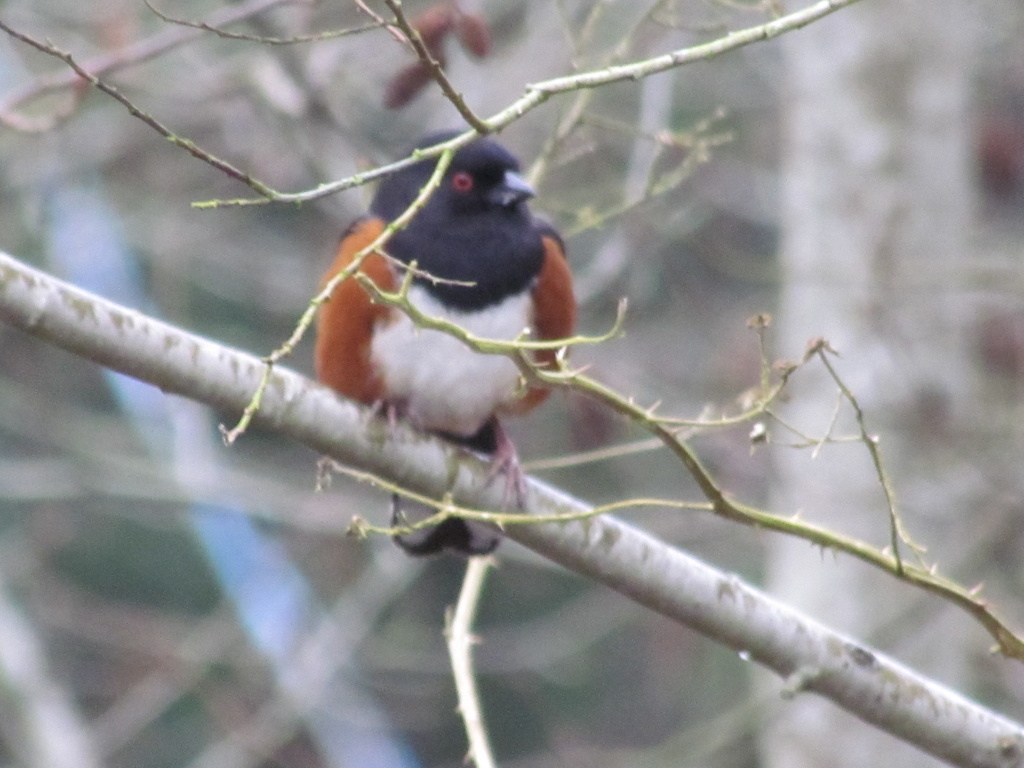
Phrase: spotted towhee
(499, 271)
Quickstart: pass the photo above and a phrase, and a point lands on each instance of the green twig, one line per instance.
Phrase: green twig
(447, 507)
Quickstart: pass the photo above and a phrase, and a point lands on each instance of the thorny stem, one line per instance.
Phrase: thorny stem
(446, 507)
(721, 504)
(896, 530)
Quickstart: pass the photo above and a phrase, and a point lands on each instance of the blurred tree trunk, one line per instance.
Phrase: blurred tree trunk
(877, 205)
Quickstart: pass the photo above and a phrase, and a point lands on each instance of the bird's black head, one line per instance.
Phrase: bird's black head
(475, 227)
(483, 176)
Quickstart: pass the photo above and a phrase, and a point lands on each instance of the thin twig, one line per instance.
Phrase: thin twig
(190, 147)
(574, 114)
(583, 458)
(136, 53)
(459, 634)
(394, 31)
(435, 69)
(206, 26)
(490, 346)
(897, 533)
(656, 187)
(446, 507)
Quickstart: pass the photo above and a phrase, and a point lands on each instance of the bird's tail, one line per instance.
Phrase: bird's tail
(466, 538)
(454, 535)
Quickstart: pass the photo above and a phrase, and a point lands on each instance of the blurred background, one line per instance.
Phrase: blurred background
(168, 601)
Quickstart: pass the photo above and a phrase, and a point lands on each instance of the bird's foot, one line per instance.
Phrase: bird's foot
(505, 461)
(391, 410)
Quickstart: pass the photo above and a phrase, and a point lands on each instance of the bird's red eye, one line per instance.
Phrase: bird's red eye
(462, 182)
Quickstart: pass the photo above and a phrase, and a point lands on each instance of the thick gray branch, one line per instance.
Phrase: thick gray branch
(810, 656)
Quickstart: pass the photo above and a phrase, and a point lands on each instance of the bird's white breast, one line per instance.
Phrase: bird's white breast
(443, 384)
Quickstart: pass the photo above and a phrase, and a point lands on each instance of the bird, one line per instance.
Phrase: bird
(482, 260)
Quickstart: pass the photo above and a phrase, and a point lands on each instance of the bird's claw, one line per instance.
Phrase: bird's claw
(505, 461)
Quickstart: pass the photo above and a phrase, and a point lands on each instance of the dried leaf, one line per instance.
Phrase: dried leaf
(473, 34)
(406, 85)
(434, 24)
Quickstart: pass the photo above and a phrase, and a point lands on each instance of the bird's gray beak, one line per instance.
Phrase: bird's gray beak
(512, 190)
